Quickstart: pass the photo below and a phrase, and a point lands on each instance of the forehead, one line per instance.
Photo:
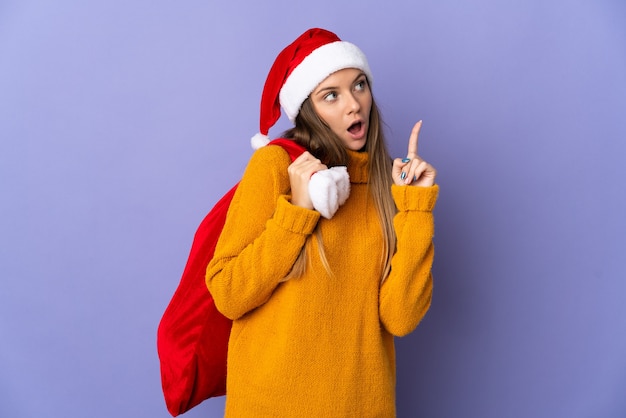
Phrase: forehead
(346, 75)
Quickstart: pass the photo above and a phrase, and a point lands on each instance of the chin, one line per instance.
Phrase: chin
(355, 144)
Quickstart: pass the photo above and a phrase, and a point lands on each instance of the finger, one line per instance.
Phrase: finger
(413, 170)
(304, 161)
(400, 163)
(396, 171)
(405, 168)
(305, 156)
(308, 168)
(413, 140)
(419, 171)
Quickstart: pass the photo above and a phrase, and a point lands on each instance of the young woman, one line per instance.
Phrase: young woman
(317, 300)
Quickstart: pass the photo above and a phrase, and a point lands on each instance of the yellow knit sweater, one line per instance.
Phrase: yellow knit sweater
(317, 346)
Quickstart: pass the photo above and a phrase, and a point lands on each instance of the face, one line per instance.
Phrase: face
(344, 100)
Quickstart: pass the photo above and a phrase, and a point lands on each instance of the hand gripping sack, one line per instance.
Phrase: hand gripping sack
(192, 338)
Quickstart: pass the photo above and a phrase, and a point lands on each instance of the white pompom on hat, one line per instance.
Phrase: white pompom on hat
(298, 70)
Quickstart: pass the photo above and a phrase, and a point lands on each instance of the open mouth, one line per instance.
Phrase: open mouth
(356, 128)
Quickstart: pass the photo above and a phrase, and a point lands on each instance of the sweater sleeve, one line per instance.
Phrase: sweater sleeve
(406, 293)
(262, 236)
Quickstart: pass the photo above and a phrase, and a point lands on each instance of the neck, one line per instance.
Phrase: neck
(358, 166)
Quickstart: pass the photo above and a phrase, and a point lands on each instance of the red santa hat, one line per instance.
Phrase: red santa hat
(298, 70)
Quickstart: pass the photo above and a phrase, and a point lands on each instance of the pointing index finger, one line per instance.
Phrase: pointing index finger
(413, 140)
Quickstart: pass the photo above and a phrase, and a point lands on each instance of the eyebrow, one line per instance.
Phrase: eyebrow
(361, 74)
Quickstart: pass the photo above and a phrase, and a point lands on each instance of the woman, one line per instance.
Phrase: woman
(317, 300)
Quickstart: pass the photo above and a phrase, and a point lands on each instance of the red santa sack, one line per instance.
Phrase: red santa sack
(192, 338)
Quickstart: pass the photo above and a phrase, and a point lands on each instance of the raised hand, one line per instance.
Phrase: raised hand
(412, 170)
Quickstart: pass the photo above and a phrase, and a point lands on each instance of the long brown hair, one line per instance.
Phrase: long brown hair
(314, 134)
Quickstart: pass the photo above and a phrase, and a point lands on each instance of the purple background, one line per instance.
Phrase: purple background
(121, 123)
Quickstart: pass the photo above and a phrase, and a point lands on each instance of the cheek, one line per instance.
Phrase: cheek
(331, 119)
(368, 105)
(322, 113)
(336, 125)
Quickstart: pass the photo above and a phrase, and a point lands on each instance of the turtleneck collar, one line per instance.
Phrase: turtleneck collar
(358, 166)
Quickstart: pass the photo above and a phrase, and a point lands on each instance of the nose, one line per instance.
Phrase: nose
(353, 105)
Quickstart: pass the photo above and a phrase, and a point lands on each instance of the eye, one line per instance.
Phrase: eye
(360, 85)
(330, 96)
